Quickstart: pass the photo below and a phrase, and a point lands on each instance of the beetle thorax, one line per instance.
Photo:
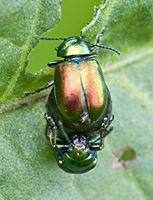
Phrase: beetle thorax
(73, 46)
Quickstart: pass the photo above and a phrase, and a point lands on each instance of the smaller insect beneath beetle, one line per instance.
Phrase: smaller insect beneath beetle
(79, 106)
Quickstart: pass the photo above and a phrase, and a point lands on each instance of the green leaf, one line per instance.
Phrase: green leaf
(28, 168)
(22, 23)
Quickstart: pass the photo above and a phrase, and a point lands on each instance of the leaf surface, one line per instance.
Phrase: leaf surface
(28, 168)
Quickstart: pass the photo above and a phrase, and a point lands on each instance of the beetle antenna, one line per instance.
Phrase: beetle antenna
(104, 47)
(94, 45)
(45, 38)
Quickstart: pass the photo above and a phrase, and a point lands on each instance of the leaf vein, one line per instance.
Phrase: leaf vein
(25, 50)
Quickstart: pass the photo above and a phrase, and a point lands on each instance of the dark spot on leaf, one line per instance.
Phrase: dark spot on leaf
(23, 104)
(123, 158)
(41, 97)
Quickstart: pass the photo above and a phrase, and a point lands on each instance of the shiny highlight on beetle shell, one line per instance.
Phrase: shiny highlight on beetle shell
(71, 165)
(73, 46)
(69, 97)
(94, 87)
(80, 86)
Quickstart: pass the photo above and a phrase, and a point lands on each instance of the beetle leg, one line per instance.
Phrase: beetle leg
(50, 136)
(52, 130)
(107, 121)
(46, 131)
(100, 34)
(55, 141)
(99, 143)
(51, 83)
(103, 133)
(52, 139)
(54, 63)
(101, 139)
(104, 142)
(60, 124)
(96, 143)
(94, 47)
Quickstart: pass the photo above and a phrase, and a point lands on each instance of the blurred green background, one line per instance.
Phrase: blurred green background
(75, 15)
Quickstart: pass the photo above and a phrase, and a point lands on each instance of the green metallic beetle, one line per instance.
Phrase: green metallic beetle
(77, 153)
(79, 105)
